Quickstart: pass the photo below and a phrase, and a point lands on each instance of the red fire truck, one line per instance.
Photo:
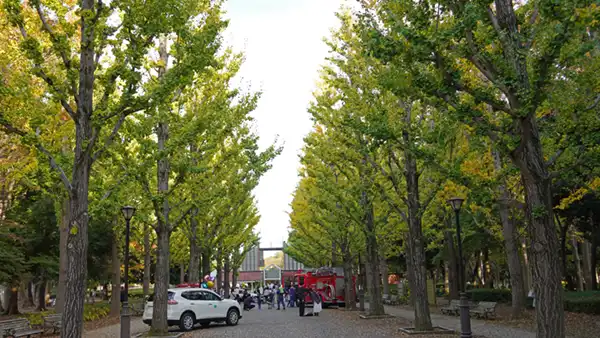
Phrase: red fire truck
(327, 283)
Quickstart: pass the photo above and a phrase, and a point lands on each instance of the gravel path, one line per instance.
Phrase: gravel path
(332, 323)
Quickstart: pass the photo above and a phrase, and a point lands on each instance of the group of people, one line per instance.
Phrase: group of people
(283, 295)
(292, 296)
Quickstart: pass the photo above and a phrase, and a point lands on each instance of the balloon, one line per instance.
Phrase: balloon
(210, 285)
(206, 277)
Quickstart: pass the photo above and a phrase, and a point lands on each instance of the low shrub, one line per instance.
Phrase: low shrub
(583, 305)
(95, 311)
(490, 295)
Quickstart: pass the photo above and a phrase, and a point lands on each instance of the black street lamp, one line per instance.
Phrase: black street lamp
(465, 319)
(128, 212)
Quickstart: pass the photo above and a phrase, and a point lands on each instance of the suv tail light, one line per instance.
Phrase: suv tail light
(172, 302)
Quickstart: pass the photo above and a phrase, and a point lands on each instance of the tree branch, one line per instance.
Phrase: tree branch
(14, 130)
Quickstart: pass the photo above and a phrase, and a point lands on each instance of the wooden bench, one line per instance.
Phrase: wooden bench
(19, 327)
(52, 322)
(484, 310)
(453, 308)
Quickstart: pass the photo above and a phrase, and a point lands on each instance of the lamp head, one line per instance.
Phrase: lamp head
(128, 212)
(456, 203)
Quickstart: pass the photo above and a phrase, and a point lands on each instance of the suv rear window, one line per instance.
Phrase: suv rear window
(170, 296)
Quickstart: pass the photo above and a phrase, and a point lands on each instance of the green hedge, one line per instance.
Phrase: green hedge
(583, 302)
(583, 305)
(490, 295)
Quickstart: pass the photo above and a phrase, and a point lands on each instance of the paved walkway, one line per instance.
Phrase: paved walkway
(113, 331)
(479, 327)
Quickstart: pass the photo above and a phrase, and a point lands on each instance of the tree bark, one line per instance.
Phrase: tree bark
(587, 264)
(452, 265)
(544, 248)
(417, 269)
(563, 245)
(194, 269)
(77, 239)
(62, 269)
(349, 292)
(181, 273)
(593, 262)
(374, 277)
(510, 234)
(206, 257)
(362, 281)
(163, 229)
(226, 271)
(41, 295)
(219, 277)
(115, 301)
(384, 276)
(147, 261)
(234, 276)
(13, 301)
(29, 302)
(161, 284)
(577, 262)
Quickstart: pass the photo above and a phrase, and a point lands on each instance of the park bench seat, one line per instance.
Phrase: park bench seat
(52, 322)
(484, 310)
(20, 327)
(453, 308)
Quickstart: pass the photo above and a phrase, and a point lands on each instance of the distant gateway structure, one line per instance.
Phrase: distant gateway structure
(250, 269)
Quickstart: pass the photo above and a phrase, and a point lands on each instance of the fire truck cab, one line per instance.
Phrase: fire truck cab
(327, 283)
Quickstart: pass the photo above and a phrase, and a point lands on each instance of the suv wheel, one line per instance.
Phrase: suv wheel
(187, 321)
(233, 317)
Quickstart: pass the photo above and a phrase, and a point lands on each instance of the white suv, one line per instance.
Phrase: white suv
(188, 306)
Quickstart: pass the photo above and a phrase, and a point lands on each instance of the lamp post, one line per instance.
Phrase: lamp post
(465, 319)
(128, 212)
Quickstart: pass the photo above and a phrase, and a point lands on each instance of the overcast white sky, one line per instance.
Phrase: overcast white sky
(283, 44)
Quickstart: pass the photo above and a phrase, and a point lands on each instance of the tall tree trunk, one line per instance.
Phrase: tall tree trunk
(77, 240)
(163, 229)
(181, 273)
(349, 291)
(362, 281)
(593, 262)
(526, 266)
(563, 245)
(115, 300)
(577, 261)
(219, 277)
(41, 295)
(62, 245)
(416, 260)
(161, 284)
(510, 234)
(234, 276)
(587, 263)
(544, 248)
(13, 300)
(194, 269)
(384, 276)
(147, 261)
(453, 286)
(374, 277)
(29, 302)
(206, 257)
(226, 271)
